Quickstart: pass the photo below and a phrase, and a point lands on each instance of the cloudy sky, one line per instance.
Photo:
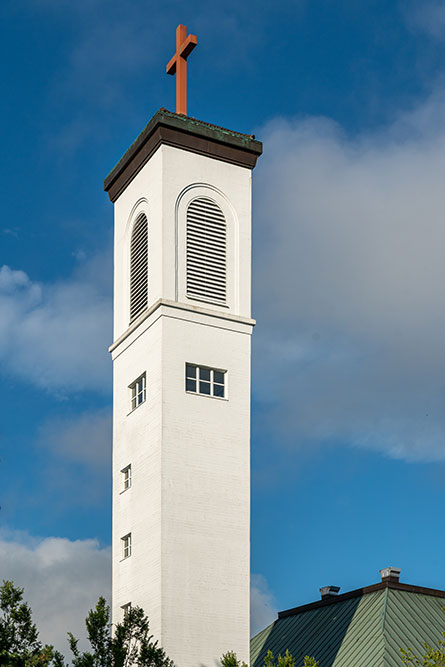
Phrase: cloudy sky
(348, 447)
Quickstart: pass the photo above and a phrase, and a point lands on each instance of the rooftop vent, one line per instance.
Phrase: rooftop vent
(329, 592)
(390, 573)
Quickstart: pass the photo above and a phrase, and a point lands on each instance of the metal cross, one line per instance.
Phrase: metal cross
(178, 66)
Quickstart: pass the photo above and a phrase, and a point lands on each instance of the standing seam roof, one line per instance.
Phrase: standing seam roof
(363, 631)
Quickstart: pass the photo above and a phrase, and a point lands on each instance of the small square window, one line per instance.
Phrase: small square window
(126, 477)
(205, 381)
(126, 546)
(138, 391)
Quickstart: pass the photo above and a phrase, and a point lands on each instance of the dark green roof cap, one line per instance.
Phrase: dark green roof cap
(364, 628)
(188, 134)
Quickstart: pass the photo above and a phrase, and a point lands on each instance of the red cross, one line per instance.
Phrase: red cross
(178, 66)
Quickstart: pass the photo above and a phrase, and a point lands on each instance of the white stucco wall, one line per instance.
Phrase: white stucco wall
(188, 509)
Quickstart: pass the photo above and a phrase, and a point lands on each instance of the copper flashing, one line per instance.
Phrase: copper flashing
(188, 134)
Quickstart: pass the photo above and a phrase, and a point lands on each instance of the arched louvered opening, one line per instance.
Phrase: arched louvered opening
(206, 243)
(139, 267)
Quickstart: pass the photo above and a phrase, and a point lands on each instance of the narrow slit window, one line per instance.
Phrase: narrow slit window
(206, 250)
(205, 381)
(126, 477)
(125, 609)
(126, 546)
(138, 391)
(139, 267)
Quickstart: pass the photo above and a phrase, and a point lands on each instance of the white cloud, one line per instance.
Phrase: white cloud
(55, 335)
(429, 16)
(262, 604)
(349, 284)
(62, 581)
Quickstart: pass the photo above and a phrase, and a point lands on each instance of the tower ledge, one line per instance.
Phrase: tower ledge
(188, 134)
(185, 307)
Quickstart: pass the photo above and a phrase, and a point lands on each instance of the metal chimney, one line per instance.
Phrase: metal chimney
(390, 574)
(329, 592)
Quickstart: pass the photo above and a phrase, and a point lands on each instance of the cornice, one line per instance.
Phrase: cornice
(184, 307)
(188, 134)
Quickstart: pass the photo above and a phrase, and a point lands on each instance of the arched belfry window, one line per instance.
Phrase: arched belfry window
(206, 249)
(139, 267)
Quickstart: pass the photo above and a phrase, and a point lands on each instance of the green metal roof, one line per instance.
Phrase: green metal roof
(365, 628)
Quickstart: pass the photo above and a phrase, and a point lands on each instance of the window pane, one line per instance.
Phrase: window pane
(204, 374)
(190, 371)
(204, 388)
(218, 377)
(190, 385)
(218, 390)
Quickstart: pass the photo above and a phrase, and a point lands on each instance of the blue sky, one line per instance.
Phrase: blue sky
(348, 443)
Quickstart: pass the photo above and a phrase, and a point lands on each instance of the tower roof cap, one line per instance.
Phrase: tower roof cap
(188, 134)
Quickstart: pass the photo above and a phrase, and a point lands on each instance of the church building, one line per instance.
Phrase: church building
(366, 627)
(181, 380)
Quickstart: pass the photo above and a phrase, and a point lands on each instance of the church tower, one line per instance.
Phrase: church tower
(181, 385)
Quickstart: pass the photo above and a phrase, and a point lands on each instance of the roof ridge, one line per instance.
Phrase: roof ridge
(359, 592)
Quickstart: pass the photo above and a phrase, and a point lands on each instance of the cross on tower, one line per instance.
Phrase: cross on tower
(178, 66)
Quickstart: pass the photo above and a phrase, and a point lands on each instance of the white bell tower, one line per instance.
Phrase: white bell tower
(181, 360)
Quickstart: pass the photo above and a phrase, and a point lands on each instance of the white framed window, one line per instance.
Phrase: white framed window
(125, 609)
(126, 545)
(205, 381)
(138, 391)
(126, 477)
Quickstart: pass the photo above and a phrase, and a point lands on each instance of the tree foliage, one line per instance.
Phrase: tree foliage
(19, 638)
(230, 659)
(287, 660)
(433, 657)
(129, 645)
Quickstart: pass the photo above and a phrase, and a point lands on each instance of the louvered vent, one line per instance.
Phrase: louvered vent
(139, 267)
(206, 251)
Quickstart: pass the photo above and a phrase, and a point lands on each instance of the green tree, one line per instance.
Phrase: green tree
(129, 645)
(19, 638)
(287, 660)
(230, 659)
(433, 657)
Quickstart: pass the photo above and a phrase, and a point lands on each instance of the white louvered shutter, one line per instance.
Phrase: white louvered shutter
(139, 267)
(206, 251)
